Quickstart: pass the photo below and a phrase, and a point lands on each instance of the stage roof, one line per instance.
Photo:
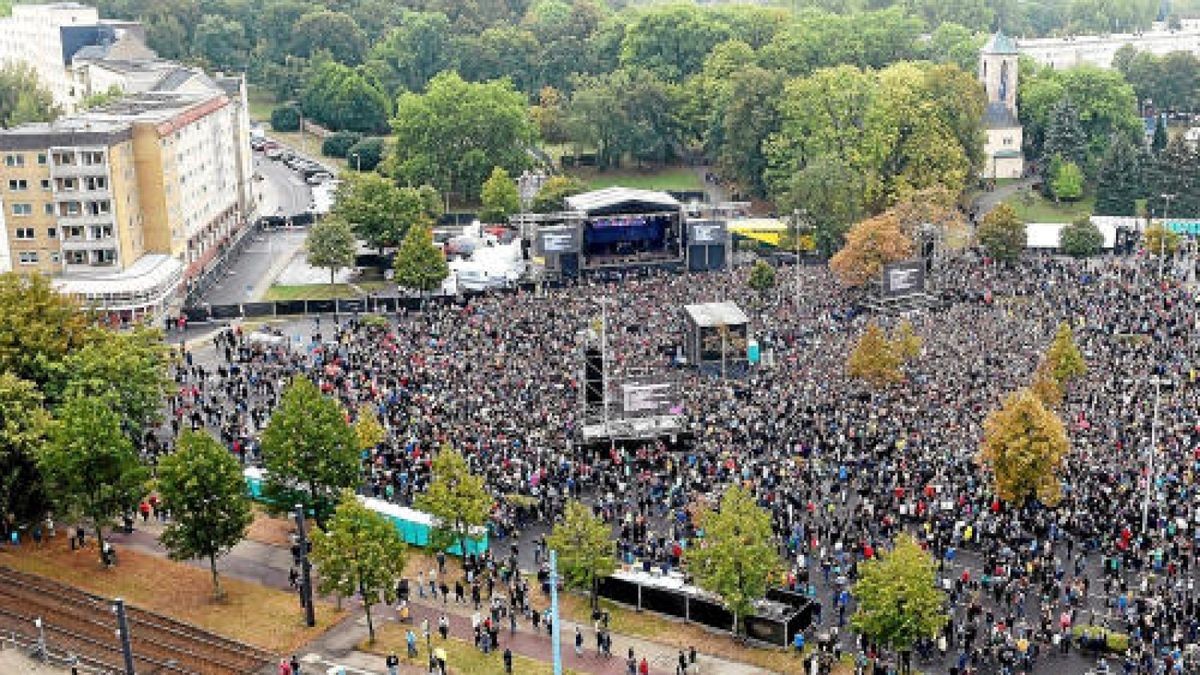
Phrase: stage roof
(622, 200)
(713, 314)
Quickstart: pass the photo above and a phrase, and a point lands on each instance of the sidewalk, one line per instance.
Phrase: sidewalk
(269, 565)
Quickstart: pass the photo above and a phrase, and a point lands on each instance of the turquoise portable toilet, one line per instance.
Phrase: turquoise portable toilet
(254, 482)
(752, 352)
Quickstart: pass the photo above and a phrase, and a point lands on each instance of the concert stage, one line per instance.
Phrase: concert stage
(617, 229)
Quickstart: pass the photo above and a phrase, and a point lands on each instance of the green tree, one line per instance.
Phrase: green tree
(500, 197)
(1064, 358)
(331, 244)
(736, 556)
(762, 277)
(339, 143)
(322, 30)
(898, 598)
(875, 359)
(1175, 171)
(285, 118)
(457, 499)
(1104, 104)
(671, 40)
(202, 485)
(38, 328)
(1081, 238)
(23, 98)
(1065, 140)
(221, 42)
(746, 114)
(552, 197)
(23, 426)
(359, 551)
(457, 131)
(89, 465)
(585, 549)
(382, 213)
(340, 97)
(127, 371)
(1024, 445)
(309, 450)
(366, 154)
(413, 52)
(1066, 180)
(1002, 234)
(419, 265)
(1119, 181)
(829, 193)
(102, 98)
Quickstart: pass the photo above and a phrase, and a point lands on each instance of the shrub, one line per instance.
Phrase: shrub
(369, 151)
(285, 118)
(339, 143)
(1115, 642)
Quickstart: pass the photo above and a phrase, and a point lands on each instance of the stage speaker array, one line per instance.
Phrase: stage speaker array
(593, 377)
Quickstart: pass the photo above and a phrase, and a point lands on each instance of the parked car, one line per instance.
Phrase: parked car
(318, 177)
(272, 153)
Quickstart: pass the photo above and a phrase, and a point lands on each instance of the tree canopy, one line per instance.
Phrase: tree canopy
(457, 499)
(870, 245)
(309, 450)
(1024, 444)
(898, 599)
(876, 359)
(201, 484)
(736, 556)
(331, 244)
(419, 265)
(1002, 234)
(585, 548)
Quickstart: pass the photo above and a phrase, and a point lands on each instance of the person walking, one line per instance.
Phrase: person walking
(508, 659)
(578, 642)
(393, 663)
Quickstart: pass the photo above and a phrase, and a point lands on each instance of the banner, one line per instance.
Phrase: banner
(558, 240)
(639, 397)
(905, 278)
(706, 233)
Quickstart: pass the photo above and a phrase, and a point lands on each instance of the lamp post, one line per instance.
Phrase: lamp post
(357, 162)
(41, 643)
(797, 214)
(118, 608)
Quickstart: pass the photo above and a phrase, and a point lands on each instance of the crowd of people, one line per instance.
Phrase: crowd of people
(842, 467)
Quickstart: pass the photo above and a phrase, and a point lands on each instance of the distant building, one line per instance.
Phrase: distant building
(126, 204)
(1100, 50)
(122, 204)
(998, 72)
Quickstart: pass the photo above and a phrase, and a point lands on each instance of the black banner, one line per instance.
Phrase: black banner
(225, 311)
(558, 240)
(707, 232)
(258, 309)
(321, 306)
(289, 307)
(385, 304)
(351, 306)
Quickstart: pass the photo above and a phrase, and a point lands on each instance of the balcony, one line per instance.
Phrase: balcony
(78, 170)
(83, 219)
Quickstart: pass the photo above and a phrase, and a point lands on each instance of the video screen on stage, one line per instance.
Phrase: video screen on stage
(708, 233)
(558, 240)
(904, 278)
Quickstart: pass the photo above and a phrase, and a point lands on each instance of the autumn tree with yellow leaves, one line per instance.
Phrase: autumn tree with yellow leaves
(875, 358)
(1024, 444)
(870, 245)
(905, 341)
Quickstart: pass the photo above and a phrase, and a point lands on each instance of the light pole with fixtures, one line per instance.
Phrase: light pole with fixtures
(357, 162)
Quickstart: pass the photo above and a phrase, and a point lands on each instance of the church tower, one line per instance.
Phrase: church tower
(998, 71)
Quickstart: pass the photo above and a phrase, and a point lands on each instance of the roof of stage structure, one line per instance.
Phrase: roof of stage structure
(714, 314)
(622, 200)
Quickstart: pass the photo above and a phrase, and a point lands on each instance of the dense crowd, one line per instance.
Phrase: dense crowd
(841, 467)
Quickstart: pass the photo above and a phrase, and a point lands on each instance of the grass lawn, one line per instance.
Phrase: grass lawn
(1032, 207)
(461, 656)
(324, 291)
(255, 614)
(261, 102)
(671, 178)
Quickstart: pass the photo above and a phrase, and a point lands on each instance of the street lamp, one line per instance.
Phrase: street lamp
(357, 162)
(1162, 240)
(41, 643)
(797, 215)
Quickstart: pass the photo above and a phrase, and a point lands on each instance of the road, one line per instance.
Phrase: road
(280, 192)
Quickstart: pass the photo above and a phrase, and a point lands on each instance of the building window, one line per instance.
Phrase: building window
(45, 183)
(54, 257)
(41, 159)
(101, 231)
(96, 183)
(64, 159)
(22, 209)
(69, 209)
(93, 158)
(104, 256)
(24, 233)
(73, 232)
(18, 185)
(76, 258)
(49, 209)
(14, 160)
(52, 232)
(28, 257)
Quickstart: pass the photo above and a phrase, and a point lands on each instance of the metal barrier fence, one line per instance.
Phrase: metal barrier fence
(351, 306)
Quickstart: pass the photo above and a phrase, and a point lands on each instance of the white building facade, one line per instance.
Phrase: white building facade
(1101, 50)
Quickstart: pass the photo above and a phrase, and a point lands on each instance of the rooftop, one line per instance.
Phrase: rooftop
(1000, 43)
(712, 314)
(608, 198)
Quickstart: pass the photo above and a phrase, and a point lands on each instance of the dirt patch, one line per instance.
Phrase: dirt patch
(261, 616)
(270, 530)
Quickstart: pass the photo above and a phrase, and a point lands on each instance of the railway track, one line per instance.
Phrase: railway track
(85, 625)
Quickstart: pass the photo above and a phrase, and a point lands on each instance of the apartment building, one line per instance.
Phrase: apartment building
(123, 204)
